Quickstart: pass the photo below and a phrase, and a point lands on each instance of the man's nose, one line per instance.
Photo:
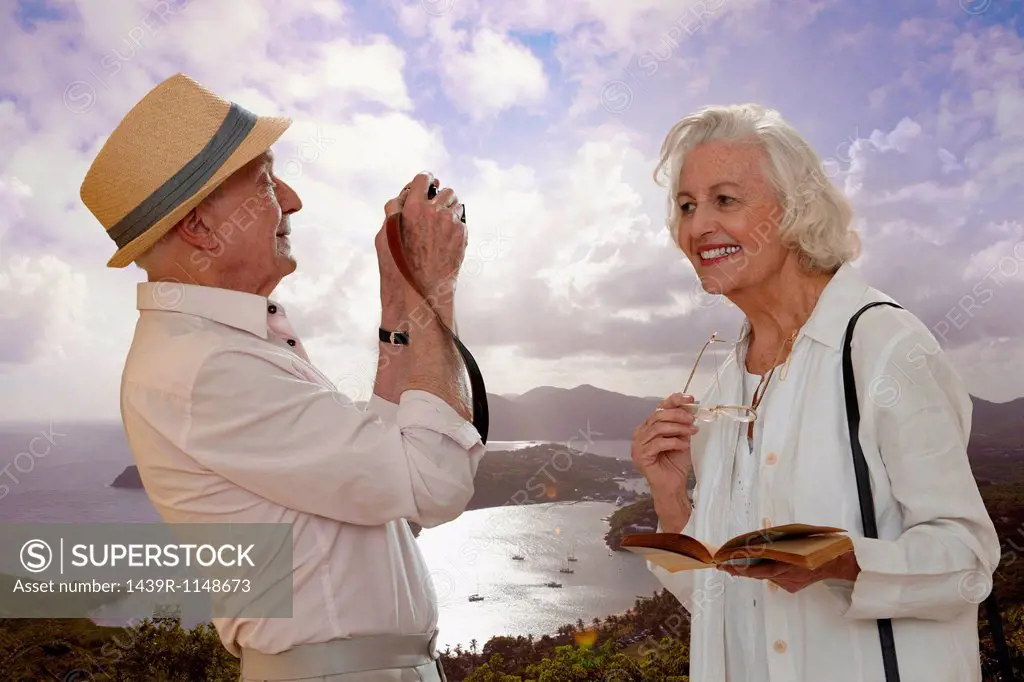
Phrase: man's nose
(288, 197)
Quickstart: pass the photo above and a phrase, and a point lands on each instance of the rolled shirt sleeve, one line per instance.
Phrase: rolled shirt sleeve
(943, 561)
(385, 409)
(303, 446)
(682, 584)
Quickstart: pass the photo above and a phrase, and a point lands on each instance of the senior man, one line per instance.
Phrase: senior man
(228, 419)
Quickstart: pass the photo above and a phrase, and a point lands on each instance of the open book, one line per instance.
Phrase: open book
(793, 543)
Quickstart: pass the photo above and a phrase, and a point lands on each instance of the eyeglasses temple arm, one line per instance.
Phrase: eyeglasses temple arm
(697, 362)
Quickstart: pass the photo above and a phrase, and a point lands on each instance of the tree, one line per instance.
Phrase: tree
(491, 672)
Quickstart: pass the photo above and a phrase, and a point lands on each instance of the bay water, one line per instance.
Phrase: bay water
(472, 554)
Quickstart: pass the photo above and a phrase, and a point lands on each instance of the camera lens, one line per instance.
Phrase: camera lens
(431, 191)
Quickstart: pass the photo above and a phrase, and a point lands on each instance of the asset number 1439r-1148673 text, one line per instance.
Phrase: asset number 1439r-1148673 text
(187, 585)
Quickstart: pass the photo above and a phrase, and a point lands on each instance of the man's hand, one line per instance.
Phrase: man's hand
(434, 244)
(794, 578)
(393, 287)
(433, 236)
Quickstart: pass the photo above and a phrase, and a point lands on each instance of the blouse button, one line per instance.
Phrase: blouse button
(771, 459)
(780, 646)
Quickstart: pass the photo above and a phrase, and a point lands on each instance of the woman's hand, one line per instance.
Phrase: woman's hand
(794, 578)
(661, 452)
(661, 445)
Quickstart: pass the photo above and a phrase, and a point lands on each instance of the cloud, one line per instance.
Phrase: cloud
(469, 75)
(547, 119)
(13, 193)
(43, 309)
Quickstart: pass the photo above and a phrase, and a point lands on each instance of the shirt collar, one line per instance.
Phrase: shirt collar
(838, 302)
(237, 309)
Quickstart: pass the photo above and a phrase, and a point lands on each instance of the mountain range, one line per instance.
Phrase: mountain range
(551, 414)
(554, 414)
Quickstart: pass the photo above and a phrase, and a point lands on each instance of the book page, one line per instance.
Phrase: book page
(670, 542)
(670, 561)
(776, 534)
(809, 552)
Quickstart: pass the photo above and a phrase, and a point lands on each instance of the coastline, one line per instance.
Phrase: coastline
(530, 473)
(525, 477)
(473, 554)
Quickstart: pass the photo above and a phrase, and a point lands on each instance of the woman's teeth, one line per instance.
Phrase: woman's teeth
(711, 254)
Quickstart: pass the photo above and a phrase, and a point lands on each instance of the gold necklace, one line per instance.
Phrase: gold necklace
(762, 385)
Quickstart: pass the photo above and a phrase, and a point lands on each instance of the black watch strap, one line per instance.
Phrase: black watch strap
(394, 338)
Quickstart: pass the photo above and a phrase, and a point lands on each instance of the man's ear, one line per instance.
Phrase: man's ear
(194, 231)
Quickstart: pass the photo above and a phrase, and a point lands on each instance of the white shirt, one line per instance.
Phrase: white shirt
(229, 422)
(936, 542)
(746, 656)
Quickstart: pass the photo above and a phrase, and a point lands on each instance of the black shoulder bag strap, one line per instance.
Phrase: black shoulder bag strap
(867, 511)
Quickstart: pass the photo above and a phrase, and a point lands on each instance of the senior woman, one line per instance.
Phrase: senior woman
(764, 228)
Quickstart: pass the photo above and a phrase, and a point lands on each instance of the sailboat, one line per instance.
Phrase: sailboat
(552, 583)
(476, 595)
(572, 554)
(566, 569)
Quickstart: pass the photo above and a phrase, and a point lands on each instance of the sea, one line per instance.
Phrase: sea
(70, 483)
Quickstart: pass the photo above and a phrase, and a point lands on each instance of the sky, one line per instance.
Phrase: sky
(547, 119)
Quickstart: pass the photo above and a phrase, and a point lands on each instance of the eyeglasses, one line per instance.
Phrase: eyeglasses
(743, 414)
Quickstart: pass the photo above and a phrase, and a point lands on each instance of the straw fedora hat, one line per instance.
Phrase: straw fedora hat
(168, 153)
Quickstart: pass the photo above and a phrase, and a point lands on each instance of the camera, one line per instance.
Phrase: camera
(432, 192)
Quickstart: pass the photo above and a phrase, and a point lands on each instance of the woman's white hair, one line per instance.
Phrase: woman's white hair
(816, 219)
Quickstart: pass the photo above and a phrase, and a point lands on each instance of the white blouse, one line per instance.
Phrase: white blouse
(937, 546)
(744, 625)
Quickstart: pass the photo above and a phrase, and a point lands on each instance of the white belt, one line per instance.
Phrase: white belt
(339, 656)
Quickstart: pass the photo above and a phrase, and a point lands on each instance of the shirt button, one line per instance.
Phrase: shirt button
(272, 309)
(291, 342)
(771, 459)
(780, 646)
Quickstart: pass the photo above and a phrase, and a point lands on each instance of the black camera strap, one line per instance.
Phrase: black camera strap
(481, 416)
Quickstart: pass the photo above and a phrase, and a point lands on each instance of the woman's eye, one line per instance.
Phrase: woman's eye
(724, 200)
(686, 207)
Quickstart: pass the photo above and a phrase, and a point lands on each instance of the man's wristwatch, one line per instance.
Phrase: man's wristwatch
(394, 338)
